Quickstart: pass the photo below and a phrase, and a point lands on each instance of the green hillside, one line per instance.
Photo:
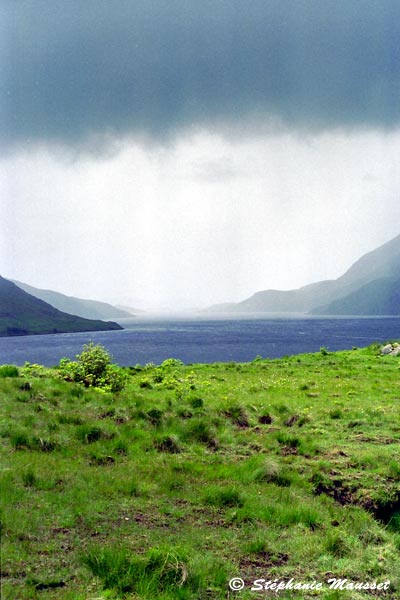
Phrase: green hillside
(23, 314)
(285, 470)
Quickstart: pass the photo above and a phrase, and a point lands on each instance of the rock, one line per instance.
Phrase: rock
(395, 351)
(388, 349)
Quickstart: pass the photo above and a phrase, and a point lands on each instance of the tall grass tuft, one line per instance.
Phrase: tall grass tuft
(237, 414)
(225, 497)
(160, 570)
(29, 478)
(199, 430)
(87, 434)
(8, 371)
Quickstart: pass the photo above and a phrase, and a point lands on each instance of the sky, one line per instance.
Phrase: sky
(179, 154)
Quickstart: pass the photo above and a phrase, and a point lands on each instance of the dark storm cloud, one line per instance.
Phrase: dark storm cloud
(73, 70)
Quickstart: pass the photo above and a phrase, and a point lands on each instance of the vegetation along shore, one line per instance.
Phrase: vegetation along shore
(165, 482)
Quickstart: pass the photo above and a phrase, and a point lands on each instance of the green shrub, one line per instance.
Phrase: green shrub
(172, 362)
(93, 368)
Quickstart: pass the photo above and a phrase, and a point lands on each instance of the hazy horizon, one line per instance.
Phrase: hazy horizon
(185, 154)
(161, 310)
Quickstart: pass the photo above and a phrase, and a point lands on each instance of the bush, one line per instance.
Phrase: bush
(93, 368)
(172, 362)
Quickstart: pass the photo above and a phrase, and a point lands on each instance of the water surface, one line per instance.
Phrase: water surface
(205, 340)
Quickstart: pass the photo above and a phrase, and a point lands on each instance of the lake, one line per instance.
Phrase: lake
(206, 340)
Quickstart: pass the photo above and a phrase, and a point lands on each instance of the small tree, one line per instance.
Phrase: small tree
(93, 368)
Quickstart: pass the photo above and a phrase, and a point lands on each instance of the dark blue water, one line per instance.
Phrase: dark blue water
(208, 340)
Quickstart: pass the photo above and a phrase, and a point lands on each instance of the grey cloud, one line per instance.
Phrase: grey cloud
(75, 72)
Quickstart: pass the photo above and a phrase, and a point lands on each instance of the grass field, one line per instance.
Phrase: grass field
(195, 474)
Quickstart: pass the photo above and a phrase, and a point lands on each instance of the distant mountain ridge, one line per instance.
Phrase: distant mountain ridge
(369, 287)
(88, 309)
(378, 297)
(23, 314)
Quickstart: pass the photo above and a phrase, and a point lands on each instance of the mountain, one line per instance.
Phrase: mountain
(278, 301)
(88, 309)
(23, 314)
(372, 285)
(378, 297)
(368, 287)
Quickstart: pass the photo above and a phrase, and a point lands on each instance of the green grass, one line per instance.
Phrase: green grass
(194, 474)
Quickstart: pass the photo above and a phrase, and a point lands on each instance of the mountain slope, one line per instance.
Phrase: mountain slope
(323, 297)
(88, 309)
(23, 314)
(378, 297)
(377, 264)
(372, 285)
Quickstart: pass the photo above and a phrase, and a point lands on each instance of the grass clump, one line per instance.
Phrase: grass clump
(196, 402)
(160, 570)
(155, 415)
(29, 478)
(272, 472)
(87, 434)
(222, 498)
(291, 441)
(9, 371)
(200, 430)
(237, 413)
(169, 444)
(20, 440)
(338, 544)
